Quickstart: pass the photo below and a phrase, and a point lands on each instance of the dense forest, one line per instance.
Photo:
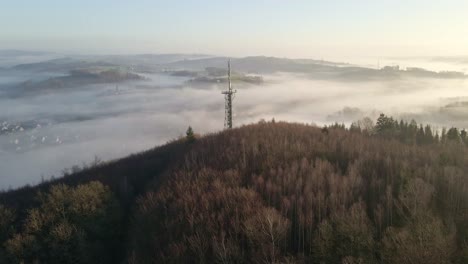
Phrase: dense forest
(273, 192)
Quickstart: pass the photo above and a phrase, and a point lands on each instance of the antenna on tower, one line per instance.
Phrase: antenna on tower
(228, 96)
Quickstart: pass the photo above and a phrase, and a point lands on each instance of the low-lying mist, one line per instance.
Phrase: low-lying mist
(42, 134)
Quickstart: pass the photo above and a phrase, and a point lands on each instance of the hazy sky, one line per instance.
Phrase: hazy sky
(296, 28)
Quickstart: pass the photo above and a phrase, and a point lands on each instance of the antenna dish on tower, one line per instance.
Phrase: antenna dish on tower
(228, 97)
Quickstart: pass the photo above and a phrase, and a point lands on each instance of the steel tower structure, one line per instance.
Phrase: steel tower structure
(228, 97)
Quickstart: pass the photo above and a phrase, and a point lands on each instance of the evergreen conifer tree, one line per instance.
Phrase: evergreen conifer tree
(190, 136)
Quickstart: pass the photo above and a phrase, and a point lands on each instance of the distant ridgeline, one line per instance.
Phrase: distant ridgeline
(421, 72)
(272, 192)
(76, 78)
(216, 75)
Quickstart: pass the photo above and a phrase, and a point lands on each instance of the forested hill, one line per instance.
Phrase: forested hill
(272, 192)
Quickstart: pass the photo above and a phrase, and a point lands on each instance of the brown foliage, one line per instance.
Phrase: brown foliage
(280, 192)
(337, 193)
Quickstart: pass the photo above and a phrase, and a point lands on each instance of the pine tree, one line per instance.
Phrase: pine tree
(190, 136)
(420, 136)
(452, 134)
(443, 136)
(428, 137)
(386, 126)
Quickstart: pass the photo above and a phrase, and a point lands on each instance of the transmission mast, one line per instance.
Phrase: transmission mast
(228, 96)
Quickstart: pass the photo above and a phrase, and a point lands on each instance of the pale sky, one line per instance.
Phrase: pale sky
(287, 28)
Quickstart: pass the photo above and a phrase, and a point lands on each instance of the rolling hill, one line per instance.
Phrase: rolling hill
(271, 192)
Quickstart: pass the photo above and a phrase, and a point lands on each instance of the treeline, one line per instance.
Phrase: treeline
(408, 132)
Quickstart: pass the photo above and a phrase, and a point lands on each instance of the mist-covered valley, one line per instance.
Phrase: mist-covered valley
(57, 111)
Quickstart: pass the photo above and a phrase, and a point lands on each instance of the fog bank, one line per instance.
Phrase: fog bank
(45, 133)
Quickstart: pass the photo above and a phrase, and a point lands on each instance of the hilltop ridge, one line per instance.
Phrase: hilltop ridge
(270, 192)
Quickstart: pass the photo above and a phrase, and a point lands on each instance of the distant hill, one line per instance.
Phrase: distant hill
(152, 58)
(316, 69)
(272, 192)
(76, 78)
(16, 53)
(260, 65)
(61, 65)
